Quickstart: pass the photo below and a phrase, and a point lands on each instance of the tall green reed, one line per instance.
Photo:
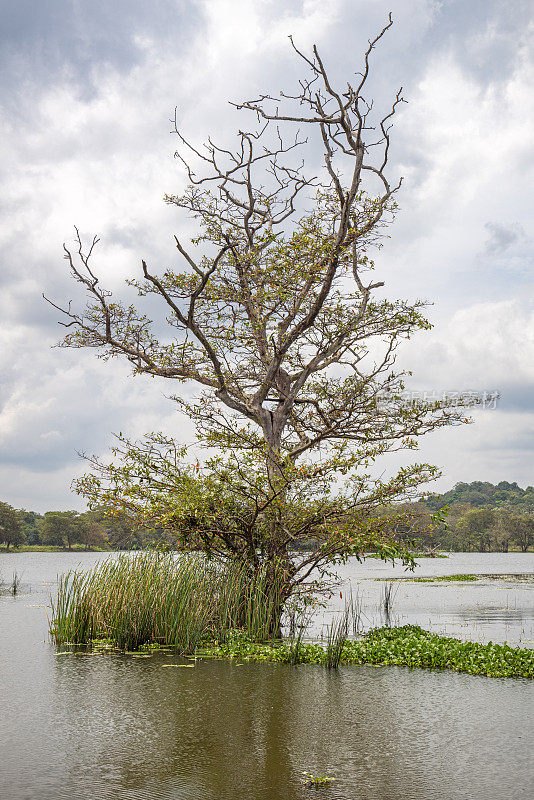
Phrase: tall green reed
(337, 635)
(248, 601)
(338, 630)
(153, 597)
(299, 620)
(388, 597)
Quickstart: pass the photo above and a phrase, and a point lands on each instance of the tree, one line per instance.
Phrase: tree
(60, 528)
(119, 530)
(275, 317)
(30, 523)
(478, 524)
(91, 532)
(10, 530)
(415, 525)
(522, 527)
(503, 534)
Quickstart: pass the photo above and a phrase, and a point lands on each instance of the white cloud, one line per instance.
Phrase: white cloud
(482, 346)
(467, 157)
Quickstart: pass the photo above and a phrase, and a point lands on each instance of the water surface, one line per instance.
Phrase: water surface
(498, 606)
(96, 727)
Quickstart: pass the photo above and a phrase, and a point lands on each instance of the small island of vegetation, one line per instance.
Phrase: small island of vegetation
(152, 602)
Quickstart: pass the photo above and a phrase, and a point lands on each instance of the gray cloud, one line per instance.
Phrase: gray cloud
(54, 39)
(501, 236)
(516, 397)
(484, 35)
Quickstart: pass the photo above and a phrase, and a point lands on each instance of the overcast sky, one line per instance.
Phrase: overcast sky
(88, 88)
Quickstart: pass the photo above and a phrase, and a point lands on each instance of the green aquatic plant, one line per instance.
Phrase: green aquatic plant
(338, 630)
(337, 634)
(388, 597)
(411, 646)
(406, 646)
(299, 619)
(315, 781)
(153, 602)
(416, 556)
(158, 598)
(433, 579)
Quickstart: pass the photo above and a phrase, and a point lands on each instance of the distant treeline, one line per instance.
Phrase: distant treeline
(478, 517)
(89, 530)
(481, 494)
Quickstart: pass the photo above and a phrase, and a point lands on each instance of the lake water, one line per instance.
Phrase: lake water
(96, 727)
(497, 607)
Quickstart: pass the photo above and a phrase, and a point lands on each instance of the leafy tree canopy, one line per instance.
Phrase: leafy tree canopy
(10, 529)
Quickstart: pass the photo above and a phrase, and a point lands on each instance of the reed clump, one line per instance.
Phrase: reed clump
(298, 620)
(159, 598)
(336, 639)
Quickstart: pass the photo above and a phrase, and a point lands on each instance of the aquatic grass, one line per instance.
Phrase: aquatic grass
(414, 555)
(150, 602)
(335, 642)
(433, 579)
(388, 596)
(15, 584)
(299, 622)
(135, 600)
(338, 632)
(447, 579)
(246, 601)
(153, 597)
(356, 612)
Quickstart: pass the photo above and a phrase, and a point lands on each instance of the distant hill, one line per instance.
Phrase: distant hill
(482, 494)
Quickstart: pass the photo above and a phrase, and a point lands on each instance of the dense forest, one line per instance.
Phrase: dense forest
(475, 516)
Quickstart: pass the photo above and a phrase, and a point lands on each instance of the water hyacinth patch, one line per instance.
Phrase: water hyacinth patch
(316, 781)
(411, 646)
(406, 646)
